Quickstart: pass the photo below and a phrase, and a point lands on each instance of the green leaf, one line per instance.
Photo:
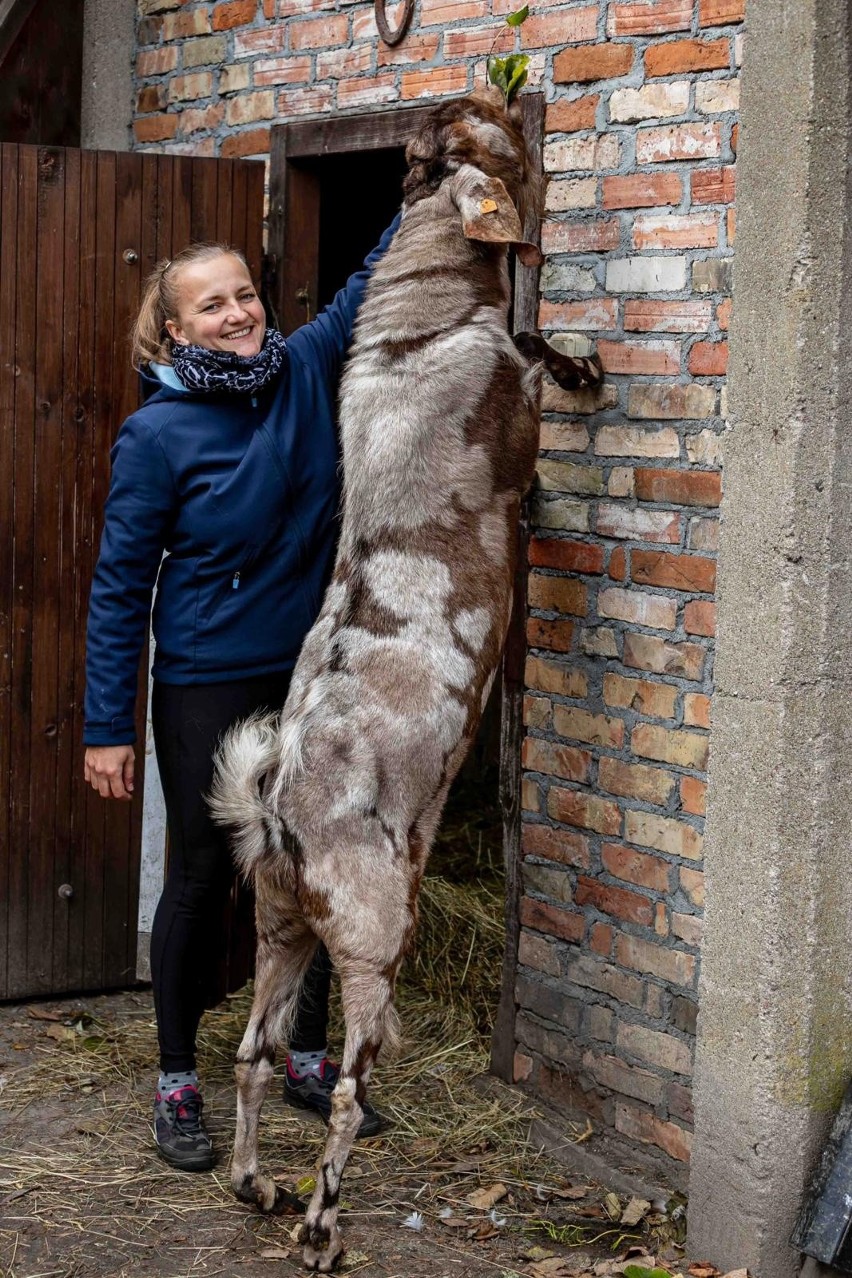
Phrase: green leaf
(521, 15)
(637, 1271)
(517, 80)
(497, 73)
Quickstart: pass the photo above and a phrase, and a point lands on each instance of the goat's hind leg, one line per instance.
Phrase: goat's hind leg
(281, 966)
(370, 1019)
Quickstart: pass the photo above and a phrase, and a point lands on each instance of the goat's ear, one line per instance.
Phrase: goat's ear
(488, 214)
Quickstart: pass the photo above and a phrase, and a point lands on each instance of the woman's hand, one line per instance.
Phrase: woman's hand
(109, 770)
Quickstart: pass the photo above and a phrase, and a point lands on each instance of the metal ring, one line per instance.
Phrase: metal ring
(393, 37)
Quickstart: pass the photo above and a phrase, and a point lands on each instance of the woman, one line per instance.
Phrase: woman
(230, 468)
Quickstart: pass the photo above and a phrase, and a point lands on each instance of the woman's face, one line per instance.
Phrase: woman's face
(218, 308)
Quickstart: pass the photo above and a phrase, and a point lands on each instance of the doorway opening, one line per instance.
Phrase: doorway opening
(335, 185)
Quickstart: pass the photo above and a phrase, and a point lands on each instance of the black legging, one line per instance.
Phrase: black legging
(187, 939)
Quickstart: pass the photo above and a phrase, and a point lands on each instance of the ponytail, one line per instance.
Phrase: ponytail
(150, 341)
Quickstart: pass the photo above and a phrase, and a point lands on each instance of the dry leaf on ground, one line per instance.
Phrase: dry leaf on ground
(636, 1210)
(274, 1253)
(485, 1199)
(45, 1014)
(703, 1269)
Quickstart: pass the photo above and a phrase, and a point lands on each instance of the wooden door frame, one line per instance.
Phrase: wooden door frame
(293, 266)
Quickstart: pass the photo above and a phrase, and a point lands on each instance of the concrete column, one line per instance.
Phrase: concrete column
(109, 34)
(775, 1027)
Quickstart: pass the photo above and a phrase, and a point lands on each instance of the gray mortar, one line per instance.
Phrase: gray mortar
(775, 1030)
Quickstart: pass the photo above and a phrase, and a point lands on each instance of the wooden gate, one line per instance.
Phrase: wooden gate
(79, 231)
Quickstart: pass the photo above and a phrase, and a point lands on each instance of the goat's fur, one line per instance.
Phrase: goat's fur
(336, 801)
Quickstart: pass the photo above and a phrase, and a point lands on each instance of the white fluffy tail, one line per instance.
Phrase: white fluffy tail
(247, 753)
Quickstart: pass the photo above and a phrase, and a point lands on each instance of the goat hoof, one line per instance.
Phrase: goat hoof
(267, 1197)
(322, 1247)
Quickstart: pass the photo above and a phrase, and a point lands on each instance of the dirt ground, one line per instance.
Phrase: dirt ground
(83, 1193)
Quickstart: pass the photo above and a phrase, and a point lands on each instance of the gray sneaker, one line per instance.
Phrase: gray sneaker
(313, 1091)
(179, 1131)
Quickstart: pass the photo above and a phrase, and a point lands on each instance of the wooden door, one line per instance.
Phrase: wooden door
(79, 231)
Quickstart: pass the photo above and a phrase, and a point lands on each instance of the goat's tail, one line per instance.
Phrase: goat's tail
(246, 754)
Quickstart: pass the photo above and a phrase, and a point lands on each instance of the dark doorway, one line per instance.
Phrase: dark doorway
(335, 185)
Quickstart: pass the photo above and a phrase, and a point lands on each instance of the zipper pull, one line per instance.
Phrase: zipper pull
(254, 401)
(235, 584)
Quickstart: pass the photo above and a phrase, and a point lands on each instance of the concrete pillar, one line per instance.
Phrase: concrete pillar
(775, 1027)
(109, 34)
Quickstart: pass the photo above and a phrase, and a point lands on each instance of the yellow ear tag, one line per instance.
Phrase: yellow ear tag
(488, 206)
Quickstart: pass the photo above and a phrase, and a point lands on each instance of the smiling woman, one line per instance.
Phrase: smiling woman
(225, 492)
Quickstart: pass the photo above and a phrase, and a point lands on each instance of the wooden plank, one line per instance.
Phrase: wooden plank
(525, 315)
(22, 571)
(351, 133)
(8, 304)
(299, 261)
(86, 809)
(68, 754)
(165, 204)
(253, 233)
(224, 198)
(205, 181)
(44, 619)
(181, 168)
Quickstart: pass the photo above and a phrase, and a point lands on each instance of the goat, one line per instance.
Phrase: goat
(335, 802)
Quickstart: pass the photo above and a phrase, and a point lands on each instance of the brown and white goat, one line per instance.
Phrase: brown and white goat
(336, 800)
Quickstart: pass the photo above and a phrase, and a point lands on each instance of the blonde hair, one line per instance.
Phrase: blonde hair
(150, 341)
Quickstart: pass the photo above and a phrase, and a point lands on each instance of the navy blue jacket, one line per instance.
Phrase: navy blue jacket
(243, 493)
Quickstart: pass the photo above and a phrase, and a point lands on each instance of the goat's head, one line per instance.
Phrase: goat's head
(477, 144)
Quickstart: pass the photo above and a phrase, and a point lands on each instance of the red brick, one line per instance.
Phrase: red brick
(556, 760)
(415, 49)
(598, 313)
(551, 919)
(473, 42)
(576, 807)
(592, 62)
(537, 712)
(639, 357)
(655, 960)
(696, 710)
(156, 62)
(581, 725)
(618, 564)
(151, 98)
(709, 359)
(641, 1125)
(522, 1067)
(657, 700)
(178, 26)
(555, 676)
(663, 834)
(635, 867)
(680, 487)
(249, 142)
(685, 749)
(677, 572)
(337, 64)
(723, 314)
(676, 231)
(570, 116)
(714, 186)
(287, 70)
(637, 608)
(155, 128)
(367, 89)
(716, 13)
(731, 224)
(319, 33)
(677, 56)
(692, 882)
(635, 781)
(647, 652)
(234, 13)
(591, 235)
(693, 796)
(566, 27)
(699, 618)
(562, 846)
(557, 594)
(628, 1080)
(655, 18)
(445, 11)
(429, 83)
(600, 938)
(642, 190)
(558, 636)
(663, 1050)
(618, 902)
(196, 120)
(678, 142)
(572, 556)
(667, 317)
(308, 101)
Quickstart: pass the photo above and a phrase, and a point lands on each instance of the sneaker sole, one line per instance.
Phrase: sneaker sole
(188, 1162)
(369, 1126)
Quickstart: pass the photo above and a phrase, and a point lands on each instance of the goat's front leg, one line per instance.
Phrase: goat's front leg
(571, 372)
(280, 971)
(368, 1010)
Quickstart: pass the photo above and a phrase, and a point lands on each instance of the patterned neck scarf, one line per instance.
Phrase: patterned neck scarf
(200, 369)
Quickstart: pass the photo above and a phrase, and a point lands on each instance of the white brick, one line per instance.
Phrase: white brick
(714, 96)
(646, 275)
(562, 277)
(576, 193)
(572, 516)
(589, 153)
(705, 448)
(651, 102)
(633, 441)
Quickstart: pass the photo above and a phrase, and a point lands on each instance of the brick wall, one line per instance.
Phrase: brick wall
(639, 232)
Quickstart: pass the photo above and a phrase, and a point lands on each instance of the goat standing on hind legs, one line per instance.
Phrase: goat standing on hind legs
(335, 802)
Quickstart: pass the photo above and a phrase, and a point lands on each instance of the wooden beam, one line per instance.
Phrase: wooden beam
(13, 15)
